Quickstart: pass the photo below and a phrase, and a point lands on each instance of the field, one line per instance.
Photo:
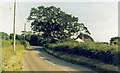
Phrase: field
(12, 61)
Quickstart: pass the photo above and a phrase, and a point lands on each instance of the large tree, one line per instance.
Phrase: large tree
(54, 23)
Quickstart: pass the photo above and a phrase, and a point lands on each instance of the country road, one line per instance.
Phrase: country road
(37, 59)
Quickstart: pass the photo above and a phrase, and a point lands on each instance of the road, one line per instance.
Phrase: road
(37, 59)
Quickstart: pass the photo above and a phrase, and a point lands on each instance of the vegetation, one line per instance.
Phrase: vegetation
(115, 40)
(99, 51)
(12, 61)
(93, 64)
(34, 39)
(52, 26)
(86, 36)
(52, 23)
(4, 35)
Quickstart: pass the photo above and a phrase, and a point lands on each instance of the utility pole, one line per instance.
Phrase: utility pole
(24, 30)
(14, 25)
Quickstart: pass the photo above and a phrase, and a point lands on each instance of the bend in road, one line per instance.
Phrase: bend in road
(37, 59)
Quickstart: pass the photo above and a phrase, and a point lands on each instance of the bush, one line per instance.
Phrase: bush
(103, 52)
(86, 36)
(5, 43)
(25, 43)
(17, 42)
(4, 36)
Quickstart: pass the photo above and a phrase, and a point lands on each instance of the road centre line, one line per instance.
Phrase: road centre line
(65, 70)
(50, 62)
(41, 57)
(60, 67)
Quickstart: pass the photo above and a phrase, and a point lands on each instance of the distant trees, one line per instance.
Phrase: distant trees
(86, 36)
(54, 23)
(18, 36)
(11, 36)
(115, 40)
(27, 35)
(4, 35)
(33, 39)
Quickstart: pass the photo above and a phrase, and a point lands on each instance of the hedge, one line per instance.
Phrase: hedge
(103, 52)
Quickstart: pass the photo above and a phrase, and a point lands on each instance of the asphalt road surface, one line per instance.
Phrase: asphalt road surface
(37, 59)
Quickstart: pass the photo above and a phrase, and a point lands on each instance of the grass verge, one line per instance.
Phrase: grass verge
(12, 61)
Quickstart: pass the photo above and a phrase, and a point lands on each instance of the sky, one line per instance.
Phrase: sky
(101, 18)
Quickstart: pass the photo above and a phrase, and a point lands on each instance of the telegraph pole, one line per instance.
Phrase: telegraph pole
(14, 25)
(24, 30)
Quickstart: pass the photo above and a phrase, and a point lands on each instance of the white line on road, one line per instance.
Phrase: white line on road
(60, 67)
(41, 57)
(50, 62)
(65, 70)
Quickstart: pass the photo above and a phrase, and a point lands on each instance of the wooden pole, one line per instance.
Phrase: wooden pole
(14, 25)
(24, 30)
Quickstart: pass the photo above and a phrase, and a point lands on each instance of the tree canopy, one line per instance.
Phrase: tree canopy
(54, 23)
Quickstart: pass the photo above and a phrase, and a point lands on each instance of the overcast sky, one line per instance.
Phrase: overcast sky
(101, 18)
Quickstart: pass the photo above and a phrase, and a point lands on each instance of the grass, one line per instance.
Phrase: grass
(12, 61)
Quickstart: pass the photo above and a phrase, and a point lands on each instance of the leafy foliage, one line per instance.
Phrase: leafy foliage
(11, 36)
(18, 37)
(25, 43)
(34, 39)
(54, 23)
(4, 36)
(5, 43)
(115, 40)
(12, 61)
(86, 36)
(103, 52)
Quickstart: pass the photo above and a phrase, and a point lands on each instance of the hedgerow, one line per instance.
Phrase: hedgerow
(103, 52)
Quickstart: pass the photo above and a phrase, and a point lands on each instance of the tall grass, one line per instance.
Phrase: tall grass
(12, 61)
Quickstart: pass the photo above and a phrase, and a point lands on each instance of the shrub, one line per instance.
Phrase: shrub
(5, 43)
(17, 42)
(103, 52)
(25, 43)
(4, 36)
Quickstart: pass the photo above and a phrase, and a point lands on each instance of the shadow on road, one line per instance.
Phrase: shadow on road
(45, 56)
(35, 49)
